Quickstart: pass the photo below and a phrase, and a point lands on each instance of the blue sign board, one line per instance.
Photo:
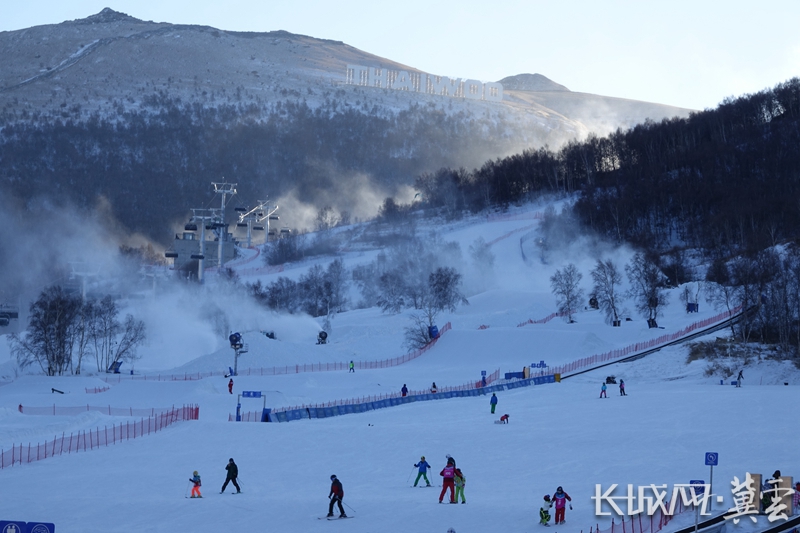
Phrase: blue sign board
(712, 458)
(540, 364)
(483, 372)
(26, 527)
(40, 527)
(698, 486)
(251, 394)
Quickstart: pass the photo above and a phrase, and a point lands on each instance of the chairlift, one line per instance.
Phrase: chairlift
(209, 226)
(258, 228)
(190, 227)
(170, 255)
(218, 225)
(285, 231)
(271, 233)
(274, 217)
(4, 320)
(198, 256)
(241, 224)
(240, 209)
(260, 214)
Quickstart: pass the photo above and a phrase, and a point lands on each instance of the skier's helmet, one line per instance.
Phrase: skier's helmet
(422, 458)
(559, 489)
(547, 497)
(333, 476)
(195, 473)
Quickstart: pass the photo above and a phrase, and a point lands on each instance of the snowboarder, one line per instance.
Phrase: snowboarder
(404, 390)
(504, 419)
(544, 511)
(233, 473)
(434, 388)
(460, 481)
(560, 498)
(448, 481)
(352, 367)
(493, 402)
(622, 387)
(602, 395)
(195, 479)
(230, 386)
(336, 496)
(423, 469)
(739, 378)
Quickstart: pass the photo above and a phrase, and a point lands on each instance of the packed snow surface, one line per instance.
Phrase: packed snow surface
(560, 434)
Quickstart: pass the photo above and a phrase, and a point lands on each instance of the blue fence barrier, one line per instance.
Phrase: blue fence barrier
(346, 409)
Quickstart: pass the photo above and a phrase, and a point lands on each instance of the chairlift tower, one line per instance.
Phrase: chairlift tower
(258, 214)
(224, 190)
(81, 271)
(202, 216)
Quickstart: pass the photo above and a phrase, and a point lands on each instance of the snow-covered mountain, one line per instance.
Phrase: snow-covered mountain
(111, 62)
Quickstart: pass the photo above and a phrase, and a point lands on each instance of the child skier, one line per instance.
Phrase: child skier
(622, 387)
(602, 395)
(560, 498)
(544, 511)
(504, 419)
(460, 481)
(196, 488)
(423, 469)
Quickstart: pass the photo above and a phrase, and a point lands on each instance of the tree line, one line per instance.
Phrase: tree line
(65, 332)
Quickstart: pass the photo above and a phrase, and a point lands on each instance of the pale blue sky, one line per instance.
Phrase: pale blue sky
(678, 52)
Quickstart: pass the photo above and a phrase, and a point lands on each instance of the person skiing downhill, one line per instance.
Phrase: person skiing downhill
(544, 511)
(560, 498)
(493, 402)
(352, 367)
(602, 395)
(423, 469)
(336, 496)
(233, 473)
(448, 473)
(195, 479)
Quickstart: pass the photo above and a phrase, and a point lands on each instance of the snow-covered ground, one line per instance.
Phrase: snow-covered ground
(559, 434)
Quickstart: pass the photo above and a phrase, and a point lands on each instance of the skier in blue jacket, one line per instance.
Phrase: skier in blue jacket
(423, 469)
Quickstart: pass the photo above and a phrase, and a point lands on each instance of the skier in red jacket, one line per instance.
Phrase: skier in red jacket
(448, 473)
(560, 498)
(336, 495)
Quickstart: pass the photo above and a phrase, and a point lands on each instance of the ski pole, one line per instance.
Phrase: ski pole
(186, 492)
(411, 474)
(348, 506)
